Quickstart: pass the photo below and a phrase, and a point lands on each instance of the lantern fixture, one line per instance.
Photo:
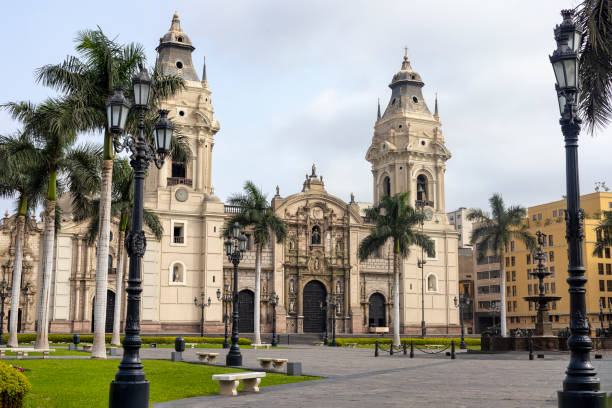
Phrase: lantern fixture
(141, 82)
(117, 109)
(163, 134)
(236, 230)
(565, 58)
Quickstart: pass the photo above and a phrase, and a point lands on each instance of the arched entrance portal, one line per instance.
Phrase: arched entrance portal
(314, 317)
(246, 301)
(110, 311)
(377, 311)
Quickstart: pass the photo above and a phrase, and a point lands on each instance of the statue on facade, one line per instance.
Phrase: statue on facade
(314, 170)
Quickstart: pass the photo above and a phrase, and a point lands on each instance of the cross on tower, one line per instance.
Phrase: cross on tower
(405, 51)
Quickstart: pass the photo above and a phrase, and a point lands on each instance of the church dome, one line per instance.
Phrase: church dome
(406, 74)
(175, 34)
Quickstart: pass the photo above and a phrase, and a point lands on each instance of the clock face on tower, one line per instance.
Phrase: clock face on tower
(181, 194)
(428, 214)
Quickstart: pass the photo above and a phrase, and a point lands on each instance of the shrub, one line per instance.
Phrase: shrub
(13, 387)
(88, 338)
(416, 341)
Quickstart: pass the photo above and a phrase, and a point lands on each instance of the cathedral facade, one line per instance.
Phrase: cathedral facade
(317, 259)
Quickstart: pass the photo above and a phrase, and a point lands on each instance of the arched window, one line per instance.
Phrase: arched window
(178, 170)
(316, 235)
(387, 186)
(177, 273)
(432, 283)
(422, 188)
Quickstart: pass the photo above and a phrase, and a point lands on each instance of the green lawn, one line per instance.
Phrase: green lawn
(85, 383)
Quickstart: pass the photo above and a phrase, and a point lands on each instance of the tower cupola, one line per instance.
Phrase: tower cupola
(406, 95)
(174, 52)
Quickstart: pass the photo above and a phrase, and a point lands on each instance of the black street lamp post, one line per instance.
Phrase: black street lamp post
(3, 295)
(273, 303)
(581, 387)
(324, 309)
(202, 304)
(130, 387)
(234, 249)
(333, 304)
(226, 297)
(462, 302)
(421, 264)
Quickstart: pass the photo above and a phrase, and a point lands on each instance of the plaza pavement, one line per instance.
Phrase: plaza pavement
(355, 378)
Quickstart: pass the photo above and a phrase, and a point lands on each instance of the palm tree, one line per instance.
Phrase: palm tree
(395, 220)
(52, 146)
(87, 83)
(594, 21)
(604, 233)
(122, 202)
(21, 178)
(495, 233)
(255, 211)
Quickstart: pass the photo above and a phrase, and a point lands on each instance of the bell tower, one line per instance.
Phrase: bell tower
(192, 113)
(408, 151)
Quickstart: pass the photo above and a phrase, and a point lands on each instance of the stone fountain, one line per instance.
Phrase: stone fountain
(543, 327)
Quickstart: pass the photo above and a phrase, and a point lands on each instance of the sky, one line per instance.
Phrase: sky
(296, 83)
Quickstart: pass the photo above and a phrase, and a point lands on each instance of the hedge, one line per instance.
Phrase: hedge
(88, 338)
(416, 341)
(13, 387)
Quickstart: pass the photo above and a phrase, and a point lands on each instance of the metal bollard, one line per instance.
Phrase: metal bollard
(452, 349)
(391, 349)
(411, 349)
(404, 346)
(376, 349)
(530, 349)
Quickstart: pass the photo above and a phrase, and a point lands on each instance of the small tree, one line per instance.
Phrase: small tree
(255, 211)
(396, 221)
(604, 233)
(495, 233)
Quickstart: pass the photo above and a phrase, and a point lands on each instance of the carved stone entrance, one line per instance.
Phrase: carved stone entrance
(377, 311)
(314, 317)
(246, 314)
(110, 311)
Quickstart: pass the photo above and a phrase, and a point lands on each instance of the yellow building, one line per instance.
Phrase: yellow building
(549, 218)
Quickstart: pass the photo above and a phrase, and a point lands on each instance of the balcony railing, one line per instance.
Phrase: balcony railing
(173, 181)
(423, 203)
(179, 240)
(232, 209)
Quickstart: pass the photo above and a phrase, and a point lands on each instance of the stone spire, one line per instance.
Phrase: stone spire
(204, 79)
(378, 115)
(436, 108)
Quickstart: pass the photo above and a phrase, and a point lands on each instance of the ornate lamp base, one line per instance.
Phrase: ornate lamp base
(582, 399)
(234, 360)
(124, 394)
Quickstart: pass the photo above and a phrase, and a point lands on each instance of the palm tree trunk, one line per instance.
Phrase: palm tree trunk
(116, 340)
(99, 344)
(396, 303)
(42, 333)
(257, 301)
(502, 289)
(16, 289)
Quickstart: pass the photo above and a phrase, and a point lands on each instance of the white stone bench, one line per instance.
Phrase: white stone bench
(87, 347)
(24, 351)
(434, 346)
(262, 345)
(351, 345)
(228, 383)
(267, 363)
(207, 357)
(379, 330)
